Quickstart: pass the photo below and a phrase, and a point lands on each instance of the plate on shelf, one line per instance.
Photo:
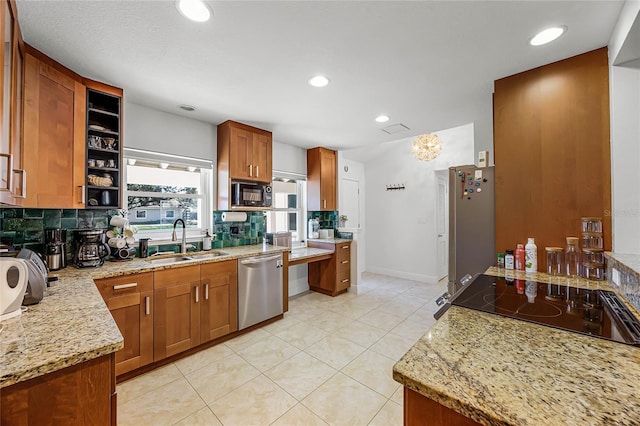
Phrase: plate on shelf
(96, 127)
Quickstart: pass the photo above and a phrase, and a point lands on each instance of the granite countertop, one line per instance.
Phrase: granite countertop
(307, 252)
(501, 371)
(330, 240)
(72, 323)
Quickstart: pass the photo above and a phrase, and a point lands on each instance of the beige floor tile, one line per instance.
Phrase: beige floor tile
(353, 310)
(200, 359)
(268, 353)
(393, 346)
(382, 320)
(307, 312)
(258, 402)
(204, 417)
(389, 415)
(280, 325)
(299, 415)
(374, 371)
(302, 335)
(300, 375)
(358, 332)
(398, 308)
(163, 406)
(335, 351)
(330, 321)
(413, 329)
(343, 401)
(140, 385)
(241, 342)
(398, 396)
(426, 291)
(221, 377)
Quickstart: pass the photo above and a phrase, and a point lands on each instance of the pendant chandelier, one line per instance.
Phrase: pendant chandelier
(427, 147)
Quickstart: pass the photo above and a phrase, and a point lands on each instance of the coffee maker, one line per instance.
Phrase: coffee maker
(91, 249)
(55, 248)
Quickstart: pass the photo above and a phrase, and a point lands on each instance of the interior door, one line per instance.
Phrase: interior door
(350, 202)
(442, 222)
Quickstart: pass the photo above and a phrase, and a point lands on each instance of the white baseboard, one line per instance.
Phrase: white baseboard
(403, 274)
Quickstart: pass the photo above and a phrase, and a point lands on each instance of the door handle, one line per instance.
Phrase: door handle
(251, 170)
(9, 158)
(257, 171)
(23, 193)
(324, 204)
(84, 193)
(147, 305)
(206, 292)
(197, 294)
(123, 286)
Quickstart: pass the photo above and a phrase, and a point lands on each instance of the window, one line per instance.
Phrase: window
(161, 188)
(289, 211)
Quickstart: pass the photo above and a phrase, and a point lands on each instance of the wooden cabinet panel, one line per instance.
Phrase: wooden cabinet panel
(83, 394)
(332, 276)
(219, 308)
(422, 411)
(177, 310)
(54, 116)
(130, 301)
(241, 148)
(261, 157)
(552, 152)
(321, 179)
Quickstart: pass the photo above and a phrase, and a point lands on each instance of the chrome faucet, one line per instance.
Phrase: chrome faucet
(174, 237)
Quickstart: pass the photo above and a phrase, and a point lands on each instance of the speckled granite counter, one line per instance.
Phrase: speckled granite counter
(502, 371)
(330, 240)
(72, 324)
(300, 254)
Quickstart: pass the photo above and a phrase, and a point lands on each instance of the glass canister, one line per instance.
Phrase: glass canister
(592, 240)
(572, 257)
(555, 260)
(591, 224)
(593, 271)
(594, 256)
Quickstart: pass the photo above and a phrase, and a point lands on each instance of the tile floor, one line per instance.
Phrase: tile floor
(329, 361)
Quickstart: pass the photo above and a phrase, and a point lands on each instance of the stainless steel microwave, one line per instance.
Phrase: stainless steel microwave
(248, 194)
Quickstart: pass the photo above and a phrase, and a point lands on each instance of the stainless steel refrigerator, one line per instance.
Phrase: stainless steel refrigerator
(472, 229)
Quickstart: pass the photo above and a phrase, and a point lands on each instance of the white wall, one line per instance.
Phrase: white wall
(400, 224)
(624, 86)
(289, 158)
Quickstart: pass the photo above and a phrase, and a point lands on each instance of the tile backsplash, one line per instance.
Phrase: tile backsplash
(327, 219)
(233, 234)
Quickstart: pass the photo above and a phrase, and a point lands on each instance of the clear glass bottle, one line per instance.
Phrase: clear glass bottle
(572, 257)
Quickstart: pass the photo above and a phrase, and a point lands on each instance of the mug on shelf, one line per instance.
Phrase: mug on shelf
(92, 162)
(109, 143)
(99, 163)
(111, 163)
(95, 141)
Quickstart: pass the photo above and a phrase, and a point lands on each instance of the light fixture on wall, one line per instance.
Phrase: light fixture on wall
(131, 161)
(426, 147)
(163, 165)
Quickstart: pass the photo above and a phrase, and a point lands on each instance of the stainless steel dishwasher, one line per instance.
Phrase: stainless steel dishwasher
(259, 289)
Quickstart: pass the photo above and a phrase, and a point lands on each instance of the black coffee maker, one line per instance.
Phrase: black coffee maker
(55, 248)
(90, 248)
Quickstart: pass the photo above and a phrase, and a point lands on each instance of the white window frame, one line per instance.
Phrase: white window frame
(302, 206)
(163, 236)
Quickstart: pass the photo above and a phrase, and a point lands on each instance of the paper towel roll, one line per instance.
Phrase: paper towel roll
(234, 216)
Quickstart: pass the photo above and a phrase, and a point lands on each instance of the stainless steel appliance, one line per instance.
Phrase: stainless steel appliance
(91, 249)
(37, 281)
(472, 236)
(259, 289)
(55, 248)
(598, 313)
(250, 194)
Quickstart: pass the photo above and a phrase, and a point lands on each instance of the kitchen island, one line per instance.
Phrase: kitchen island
(70, 337)
(492, 370)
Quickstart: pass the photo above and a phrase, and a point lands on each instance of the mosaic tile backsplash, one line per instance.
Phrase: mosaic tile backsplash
(327, 220)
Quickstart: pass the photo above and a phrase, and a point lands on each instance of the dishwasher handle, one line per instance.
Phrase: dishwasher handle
(256, 260)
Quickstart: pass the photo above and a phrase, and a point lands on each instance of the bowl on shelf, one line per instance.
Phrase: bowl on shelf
(105, 180)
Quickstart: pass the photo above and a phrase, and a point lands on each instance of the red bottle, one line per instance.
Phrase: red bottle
(519, 258)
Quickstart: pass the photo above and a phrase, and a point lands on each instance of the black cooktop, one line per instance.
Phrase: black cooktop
(598, 313)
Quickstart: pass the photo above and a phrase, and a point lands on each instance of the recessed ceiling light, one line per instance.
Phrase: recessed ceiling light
(382, 118)
(547, 36)
(318, 81)
(187, 108)
(196, 10)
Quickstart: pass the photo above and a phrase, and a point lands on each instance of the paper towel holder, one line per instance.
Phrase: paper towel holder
(234, 216)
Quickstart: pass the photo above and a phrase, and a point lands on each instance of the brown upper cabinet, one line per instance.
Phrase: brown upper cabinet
(321, 179)
(12, 173)
(244, 154)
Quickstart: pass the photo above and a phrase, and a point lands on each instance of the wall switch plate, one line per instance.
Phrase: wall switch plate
(615, 276)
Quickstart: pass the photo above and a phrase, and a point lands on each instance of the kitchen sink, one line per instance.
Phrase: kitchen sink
(186, 258)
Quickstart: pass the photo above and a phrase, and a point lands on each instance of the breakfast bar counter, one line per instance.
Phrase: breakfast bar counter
(502, 371)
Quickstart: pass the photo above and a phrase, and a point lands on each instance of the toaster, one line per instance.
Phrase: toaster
(37, 282)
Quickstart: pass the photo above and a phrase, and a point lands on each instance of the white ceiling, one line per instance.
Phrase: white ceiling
(428, 64)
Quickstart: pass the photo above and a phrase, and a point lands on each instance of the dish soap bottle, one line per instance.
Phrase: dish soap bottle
(531, 256)
(206, 241)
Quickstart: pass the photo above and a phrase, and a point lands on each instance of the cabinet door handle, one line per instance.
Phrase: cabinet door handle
(197, 294)
(23, 172)
(251, 170)
(9, 158)
(257, 171)
(324, 204)
(206, 292)
(345, 261)
(84, 193)
(346, 280)
(147, 305)
(123, 286)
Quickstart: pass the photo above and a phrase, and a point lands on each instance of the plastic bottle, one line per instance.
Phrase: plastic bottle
(531, 256)
(572, 257)
(520, 257)
(508, 260)
(500, 260)
(206, 241)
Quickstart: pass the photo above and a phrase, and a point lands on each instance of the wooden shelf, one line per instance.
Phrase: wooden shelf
(111, 151)
(105, 169)
(101, 111)
(104, 188)
(107, 132)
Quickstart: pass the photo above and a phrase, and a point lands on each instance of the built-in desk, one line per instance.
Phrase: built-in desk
(308, 254)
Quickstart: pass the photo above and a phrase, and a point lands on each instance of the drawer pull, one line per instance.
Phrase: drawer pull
(345, 247)
(206, 292)
(345, 261)
(346, 280)
(147, 305)
(123, 286)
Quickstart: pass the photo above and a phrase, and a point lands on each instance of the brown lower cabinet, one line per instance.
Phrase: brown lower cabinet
(332, 276)
(219, 309)
(422, 411)
(83, 394)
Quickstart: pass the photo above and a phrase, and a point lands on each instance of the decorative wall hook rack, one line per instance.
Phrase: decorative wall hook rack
(395, 187)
